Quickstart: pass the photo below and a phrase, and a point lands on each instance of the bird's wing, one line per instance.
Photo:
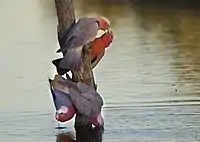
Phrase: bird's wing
(67, 44)
(86, 30)
(90, 93)
(56, 63)
(83, 102)
(68, 83)
(69, 35)
(59, 98)
(83, 32)
(57, 85)
(82, 105)
(62, 37)
(72, 59)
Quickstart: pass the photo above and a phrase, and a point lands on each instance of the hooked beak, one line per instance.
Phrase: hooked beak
(109, 31)
(62, 117)
(62, 114)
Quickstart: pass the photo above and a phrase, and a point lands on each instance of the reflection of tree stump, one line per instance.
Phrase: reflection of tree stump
(65, 137)
(66, 16)
(88, 134)
(83, 134)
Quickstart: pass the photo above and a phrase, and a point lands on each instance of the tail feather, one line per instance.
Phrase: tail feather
(72, 59)
(60, 71)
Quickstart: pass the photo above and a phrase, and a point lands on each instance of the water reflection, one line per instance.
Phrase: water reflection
(155, 52)
(109, 9)
(178, 31)
(83, 134)
(167, 37)
(65, 137)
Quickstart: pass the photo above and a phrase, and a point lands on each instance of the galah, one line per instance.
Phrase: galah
(81, 33)
(98, 48)
(65, 109)
(85, 99)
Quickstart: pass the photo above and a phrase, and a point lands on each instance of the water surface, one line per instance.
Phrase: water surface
(149, 77)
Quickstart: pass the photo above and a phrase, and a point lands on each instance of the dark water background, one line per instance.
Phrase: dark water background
(149, 77)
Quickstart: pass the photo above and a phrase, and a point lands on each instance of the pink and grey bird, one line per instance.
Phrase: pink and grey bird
(65, 109)
(98, 50)
(80, 34)
(85, 99)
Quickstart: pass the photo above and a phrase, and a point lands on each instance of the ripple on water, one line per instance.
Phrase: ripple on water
(164, 123)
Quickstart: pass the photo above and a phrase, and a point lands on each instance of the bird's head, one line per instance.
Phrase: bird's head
(65, 113)
(97, 121)
(104, 23)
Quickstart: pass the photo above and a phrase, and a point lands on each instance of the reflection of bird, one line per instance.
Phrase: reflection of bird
(65, 137)
(98, 48)
(85, 99)
(83, 134)
(80, 34)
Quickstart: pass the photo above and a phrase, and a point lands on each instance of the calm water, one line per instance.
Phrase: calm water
(149, 78)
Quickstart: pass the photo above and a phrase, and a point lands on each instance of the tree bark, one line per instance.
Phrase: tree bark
(66, 16)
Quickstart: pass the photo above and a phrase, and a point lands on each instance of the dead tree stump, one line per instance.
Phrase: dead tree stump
(66, 16)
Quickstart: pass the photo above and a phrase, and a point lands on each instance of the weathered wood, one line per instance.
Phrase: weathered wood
(85, 73)
(66, 16)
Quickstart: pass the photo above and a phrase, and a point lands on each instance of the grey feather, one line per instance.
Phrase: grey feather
(64, 35)
(84, 31)
(72, 59)
(83, 105)
(59, 98)
(60, 71)
(90, 93)
(86, 100)
(86, 104)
